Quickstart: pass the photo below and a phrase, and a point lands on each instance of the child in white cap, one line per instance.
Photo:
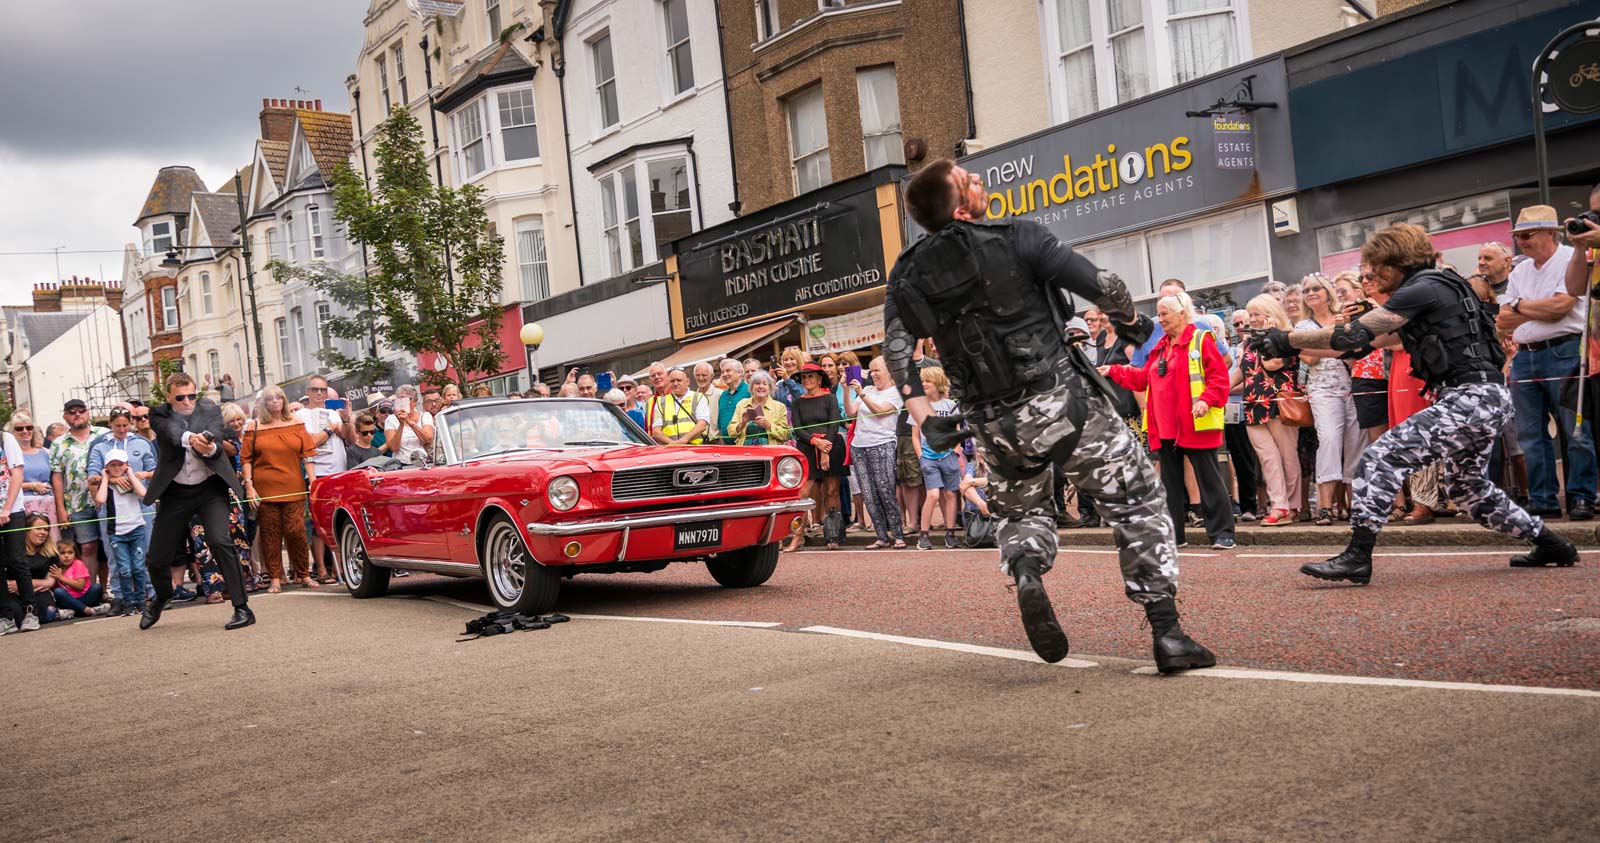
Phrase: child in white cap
(121, 495)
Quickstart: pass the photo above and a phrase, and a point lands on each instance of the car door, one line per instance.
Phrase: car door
(410, 500)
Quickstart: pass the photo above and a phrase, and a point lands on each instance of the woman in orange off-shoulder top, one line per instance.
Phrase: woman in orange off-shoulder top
(277, 449)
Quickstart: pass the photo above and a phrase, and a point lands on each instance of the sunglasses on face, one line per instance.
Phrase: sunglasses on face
(76, 411)
(1524, 235)
(140, 416)
(188, 396)
(22, 427)
(366, 431)
(317, 389)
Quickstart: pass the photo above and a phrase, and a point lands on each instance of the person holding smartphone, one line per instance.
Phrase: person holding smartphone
(759, 419)
(876, 408)
(408, 432)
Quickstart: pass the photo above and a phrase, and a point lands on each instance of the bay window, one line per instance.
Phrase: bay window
(207, 305)
(497, 129)
(214, 367)
(1202, 37)
(472, 140)
(160, 239)
(519, 131)
(284, 353)
(661, 183)
(808, 140)
(288, 236)
(880, 116)
(169, 308)
(1125, 20)
(314, 216)
(1076, 40)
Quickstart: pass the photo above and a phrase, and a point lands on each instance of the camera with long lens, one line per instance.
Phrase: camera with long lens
(1575, 225)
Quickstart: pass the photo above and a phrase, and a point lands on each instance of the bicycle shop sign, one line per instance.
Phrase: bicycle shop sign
(821, 252)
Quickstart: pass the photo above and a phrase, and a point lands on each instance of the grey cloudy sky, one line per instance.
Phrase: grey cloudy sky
(97, 99)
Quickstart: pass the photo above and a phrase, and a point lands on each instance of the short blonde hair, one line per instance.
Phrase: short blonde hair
(37, 437)
(936, 376)
(1269, 304)
(263, 409)
(231, 411)
(849, 358)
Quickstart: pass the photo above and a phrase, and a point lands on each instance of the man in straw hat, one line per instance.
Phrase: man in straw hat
(1450, 335)
(1546, 324)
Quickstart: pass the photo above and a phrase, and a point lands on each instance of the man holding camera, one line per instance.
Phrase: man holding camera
(991, 295)
(193, 478)
(1583, 232)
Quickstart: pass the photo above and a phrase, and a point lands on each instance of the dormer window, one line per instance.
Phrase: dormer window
(159, 239)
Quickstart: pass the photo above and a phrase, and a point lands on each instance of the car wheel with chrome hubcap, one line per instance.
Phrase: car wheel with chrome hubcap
(362, 578)
(517, 582)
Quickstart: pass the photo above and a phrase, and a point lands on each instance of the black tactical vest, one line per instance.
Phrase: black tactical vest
(1456, 341)
(965, 287)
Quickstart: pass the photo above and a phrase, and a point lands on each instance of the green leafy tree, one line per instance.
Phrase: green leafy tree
(434, 278)
(158, 389)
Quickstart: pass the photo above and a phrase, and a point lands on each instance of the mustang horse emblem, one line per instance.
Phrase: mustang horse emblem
(688, 478)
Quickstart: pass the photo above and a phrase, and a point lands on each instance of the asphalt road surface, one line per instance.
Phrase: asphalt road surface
(337, 719)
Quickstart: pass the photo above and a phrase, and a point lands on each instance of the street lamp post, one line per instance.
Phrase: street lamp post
(532, 336)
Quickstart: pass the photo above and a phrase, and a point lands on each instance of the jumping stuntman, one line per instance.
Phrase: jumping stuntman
(990, 294)
(1449, 333)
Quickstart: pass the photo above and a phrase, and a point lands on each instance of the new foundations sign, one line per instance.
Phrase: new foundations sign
(1149, 162)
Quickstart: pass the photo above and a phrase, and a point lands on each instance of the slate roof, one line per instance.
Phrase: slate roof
(330, 137)
(503, 64)
(276, 154)
(429, 8)
(220, 214)
(170, 193)
(41, 329)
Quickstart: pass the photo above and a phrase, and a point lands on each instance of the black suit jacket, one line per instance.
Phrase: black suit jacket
(169, 426)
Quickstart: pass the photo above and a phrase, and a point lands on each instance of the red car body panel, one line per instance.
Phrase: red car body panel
(414, 516)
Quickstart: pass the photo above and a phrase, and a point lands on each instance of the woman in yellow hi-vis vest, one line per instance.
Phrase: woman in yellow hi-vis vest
(1185, 381)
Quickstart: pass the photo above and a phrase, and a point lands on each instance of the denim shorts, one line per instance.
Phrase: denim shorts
(85, 526)
(941, 473)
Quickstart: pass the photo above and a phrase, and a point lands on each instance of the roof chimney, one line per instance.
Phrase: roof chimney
(277, 120)
(319, 105)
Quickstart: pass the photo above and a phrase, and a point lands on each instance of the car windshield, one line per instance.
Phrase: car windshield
(503, 426)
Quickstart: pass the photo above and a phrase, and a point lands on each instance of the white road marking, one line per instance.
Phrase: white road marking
(1000, 652)
(1508, 552)
(886, 551)
(1181, 553)
(1335, 679)
(751, 624)
(309, 593)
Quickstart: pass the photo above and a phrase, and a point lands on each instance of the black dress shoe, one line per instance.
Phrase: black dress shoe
(1581, 511)
(242, 617)
(1038, 619)
(152, 612)
(1549, 548)
(1544, 512)
(1354, 564)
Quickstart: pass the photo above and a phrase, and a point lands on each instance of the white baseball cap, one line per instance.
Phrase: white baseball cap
(116, 455)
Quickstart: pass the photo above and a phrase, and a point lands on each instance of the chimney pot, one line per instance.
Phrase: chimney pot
(263, 102)
(319, 105)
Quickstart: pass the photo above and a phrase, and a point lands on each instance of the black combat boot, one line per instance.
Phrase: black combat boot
(1038, 619)
(1549, 548)
(1174, 650)
(1354, 564)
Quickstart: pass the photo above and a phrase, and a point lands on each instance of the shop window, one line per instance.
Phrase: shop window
(880, 116)
(808, 140)
(1460, 227)
(1212, 250)
(679, 59)
(671, 216)
(1126, 257)
(605, 82)
(533, 267)
(1202, 33)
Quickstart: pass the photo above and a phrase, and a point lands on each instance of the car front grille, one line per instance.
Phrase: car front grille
(670, 481)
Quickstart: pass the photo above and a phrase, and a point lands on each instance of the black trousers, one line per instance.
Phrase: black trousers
(180, 503)
(1215, 505)
(1246, 467)
(16, 568)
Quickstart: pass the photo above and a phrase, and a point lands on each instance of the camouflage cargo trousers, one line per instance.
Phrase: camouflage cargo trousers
(1109, 465)
(1457, 432)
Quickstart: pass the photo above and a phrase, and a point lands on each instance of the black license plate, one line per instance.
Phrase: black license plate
(697, 534)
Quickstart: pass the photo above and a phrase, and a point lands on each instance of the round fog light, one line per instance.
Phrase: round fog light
(572, 550)
(797, 523)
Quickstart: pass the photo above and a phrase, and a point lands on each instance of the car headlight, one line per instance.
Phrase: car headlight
(563, 493)
(790, 472)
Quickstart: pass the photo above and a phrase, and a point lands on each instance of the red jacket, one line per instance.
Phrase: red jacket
(1170, 406)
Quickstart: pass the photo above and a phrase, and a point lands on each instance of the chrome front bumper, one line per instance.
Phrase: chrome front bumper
(630, 522)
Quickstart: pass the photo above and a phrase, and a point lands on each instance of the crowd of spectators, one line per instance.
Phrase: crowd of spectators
(77, 528)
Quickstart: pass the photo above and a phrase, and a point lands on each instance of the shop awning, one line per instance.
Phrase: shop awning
(719, 346)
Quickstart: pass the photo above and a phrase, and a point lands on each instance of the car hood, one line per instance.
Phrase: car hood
(640, 456)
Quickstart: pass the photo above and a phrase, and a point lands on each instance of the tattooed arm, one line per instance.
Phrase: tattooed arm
(1358, 336)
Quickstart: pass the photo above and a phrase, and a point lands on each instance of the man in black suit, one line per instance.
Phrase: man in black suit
(193, 478)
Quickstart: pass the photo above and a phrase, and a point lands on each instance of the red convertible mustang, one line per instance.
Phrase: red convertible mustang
(526, 492)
